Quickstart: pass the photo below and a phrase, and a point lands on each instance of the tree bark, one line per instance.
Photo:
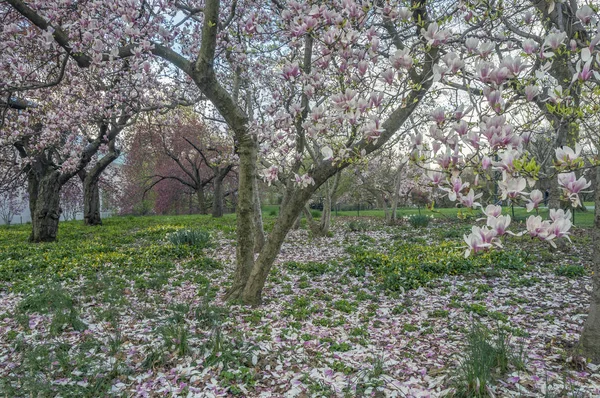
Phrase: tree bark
(201, 199)
(91, 189)
(44, 205)
(259, 230)
(590, 337)
(217, 210)
(91, 202)
(252, 292)
(244, 216)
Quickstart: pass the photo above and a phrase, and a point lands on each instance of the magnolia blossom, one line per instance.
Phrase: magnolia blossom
(538, 228)
(434, 35)
(499, 224)
(327, 153)
(535, 198)
(303, 180)
(270, 174)
(456, 187)
(560, 214)
(435, 177)
(555, 40)
(567, 155)
(547, 230)
(468, 200)
(585, 14)
(476, 241)
(572, 186)
(512, 187)
(401, 59)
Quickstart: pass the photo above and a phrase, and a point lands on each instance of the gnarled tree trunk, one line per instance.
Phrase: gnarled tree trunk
(244, 215)
(218, 194)
(217, 209)
(91, 202)
(201, 199)
(590, 338)
(91, 189)
(259, 230)
(44, 204)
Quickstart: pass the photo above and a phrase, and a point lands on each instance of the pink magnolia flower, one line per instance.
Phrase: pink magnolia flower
(585, 72)
(456, 187)
(585, 14)
(512, 187)
(461, 128)
(560, 214)
(555, 40)
(435, 177)
(530, 46)
(538, 228)
(572, 186)
(434, 35)
(499, 224)
(303, 180)
(531, 92)
(468, 200)
(291, 71)
(560, 228)
(475, 242)
(486, 162)
(492, 211)
(438, 115)
(270, 174)
(507, 159)
(471, 44)
(535, 198)
(401, 59)
(566, 155)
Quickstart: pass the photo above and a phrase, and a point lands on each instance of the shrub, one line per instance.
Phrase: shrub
(409, 266)
(273, 213)
(486, 355)
(358, 226)
(315, 213)
(191, 237)
(570, 271)
(419, 220)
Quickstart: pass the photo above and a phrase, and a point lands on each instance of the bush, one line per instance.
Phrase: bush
(570, 271)
(197, 238)
(419, 220)
(273, 213)
(409, 266)
(486, 355)
(315, 213)
(358, 226)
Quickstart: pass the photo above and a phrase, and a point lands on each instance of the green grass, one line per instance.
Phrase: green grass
(582, 219)
(133, 247)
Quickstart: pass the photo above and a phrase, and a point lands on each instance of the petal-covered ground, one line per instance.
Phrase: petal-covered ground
(323, 329)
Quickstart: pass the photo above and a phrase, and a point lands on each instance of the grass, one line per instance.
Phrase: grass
(582, 219)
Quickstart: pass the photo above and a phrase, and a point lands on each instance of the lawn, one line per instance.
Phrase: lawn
(135, 308)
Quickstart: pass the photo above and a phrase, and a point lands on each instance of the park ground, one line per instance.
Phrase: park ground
(135, 308)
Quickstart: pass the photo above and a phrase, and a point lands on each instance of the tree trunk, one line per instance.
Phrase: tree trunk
(259, 230)
(44, 205)
(201, 200)
(590, 337)
(91, 189)
(244, 216)
(252, 293)
(217, 210)
(91, 201)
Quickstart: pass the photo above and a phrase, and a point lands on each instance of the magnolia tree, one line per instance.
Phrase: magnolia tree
(12, 203)
(542, 61)
(191, 153)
